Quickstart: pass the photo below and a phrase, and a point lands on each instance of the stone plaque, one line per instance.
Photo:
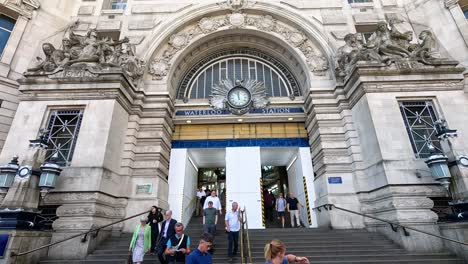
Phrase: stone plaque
(144, 188)
(330, 17)
(86, 10)
(142, 24)
(159, 8)
(109, 25)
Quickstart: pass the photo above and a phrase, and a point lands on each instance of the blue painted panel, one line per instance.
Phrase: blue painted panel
(3, 244)
(335, 180)
(261, 142)
(267, 111)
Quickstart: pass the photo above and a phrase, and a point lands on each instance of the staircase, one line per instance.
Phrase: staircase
(320, 245)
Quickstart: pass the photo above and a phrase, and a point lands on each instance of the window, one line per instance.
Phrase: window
(242, 64)
(419, 120)
(63, 128)
(6, 26)
(115, 4)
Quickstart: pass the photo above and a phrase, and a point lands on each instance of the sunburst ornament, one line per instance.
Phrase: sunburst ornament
(239, 97)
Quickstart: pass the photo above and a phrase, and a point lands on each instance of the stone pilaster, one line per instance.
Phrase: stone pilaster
(146, 156)
(336, 153)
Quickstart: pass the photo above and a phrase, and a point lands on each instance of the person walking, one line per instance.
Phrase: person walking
(210, 219)
(141, 241)
(201, 254)
(199, 206)
(293, 206)
(178, 245)
(232, 221)
(154, 218)
(167, 230)
(280, 207)
(223, 199)
(216, 202)
(275, 253)
(268, 201)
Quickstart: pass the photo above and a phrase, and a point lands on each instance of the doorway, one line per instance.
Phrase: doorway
(241, 171)
(213, 179)
(275, 183)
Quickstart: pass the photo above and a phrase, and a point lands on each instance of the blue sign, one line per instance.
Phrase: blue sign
(3, 244)
(266, 111)
(335, 180)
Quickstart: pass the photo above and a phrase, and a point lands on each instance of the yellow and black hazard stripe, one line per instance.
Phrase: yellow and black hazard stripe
(307, 200)
(263, 204)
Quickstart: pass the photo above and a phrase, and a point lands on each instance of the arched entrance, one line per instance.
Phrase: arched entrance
(250, 45)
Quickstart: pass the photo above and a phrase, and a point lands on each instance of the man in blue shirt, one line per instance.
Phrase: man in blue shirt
(200, 255)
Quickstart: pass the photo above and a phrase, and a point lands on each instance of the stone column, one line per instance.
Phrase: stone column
(335, 153)
(147, 151)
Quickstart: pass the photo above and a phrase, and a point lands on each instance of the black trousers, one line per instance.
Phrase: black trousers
(161, 249)
(233, 238)
(154, 237)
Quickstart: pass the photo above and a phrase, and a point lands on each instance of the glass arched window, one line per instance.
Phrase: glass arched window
(241, 64)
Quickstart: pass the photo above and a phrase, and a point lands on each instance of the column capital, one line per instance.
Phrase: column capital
(450, 3)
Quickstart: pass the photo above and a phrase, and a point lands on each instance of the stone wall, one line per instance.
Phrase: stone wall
(22, 241)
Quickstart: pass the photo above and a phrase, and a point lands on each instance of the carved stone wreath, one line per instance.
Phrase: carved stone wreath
(316, 61)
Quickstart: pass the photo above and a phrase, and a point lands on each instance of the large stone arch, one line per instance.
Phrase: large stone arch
(301, 38)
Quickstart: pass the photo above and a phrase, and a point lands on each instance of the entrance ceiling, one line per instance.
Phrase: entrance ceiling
(216, 158)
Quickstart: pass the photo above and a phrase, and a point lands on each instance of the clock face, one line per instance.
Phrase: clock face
(23, 172)
(239, 97)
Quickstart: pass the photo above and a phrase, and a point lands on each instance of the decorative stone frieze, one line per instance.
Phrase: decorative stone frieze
(316, 60)
(23, 7)
(236, 5)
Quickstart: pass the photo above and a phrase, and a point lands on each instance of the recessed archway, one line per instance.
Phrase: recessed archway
(203, 27)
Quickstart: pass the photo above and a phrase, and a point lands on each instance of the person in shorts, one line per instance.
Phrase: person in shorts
(280, 207)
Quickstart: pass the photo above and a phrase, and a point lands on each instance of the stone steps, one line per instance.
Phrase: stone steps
(320, 245)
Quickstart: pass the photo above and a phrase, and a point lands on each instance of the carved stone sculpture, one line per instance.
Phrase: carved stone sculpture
(80, 52)
(387, 46)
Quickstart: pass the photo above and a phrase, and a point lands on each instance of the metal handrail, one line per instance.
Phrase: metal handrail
(13, 254)
(244, 233)
(242, 237)
(249, 252)
(393, 225)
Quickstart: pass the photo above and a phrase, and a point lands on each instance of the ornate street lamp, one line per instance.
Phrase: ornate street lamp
(438, 164)
(50, 171)
(8, 173)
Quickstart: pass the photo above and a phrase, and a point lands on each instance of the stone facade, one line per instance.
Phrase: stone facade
(350, 110)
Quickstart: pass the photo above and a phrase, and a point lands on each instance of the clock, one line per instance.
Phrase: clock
(239, 97)
(463, 160)
(24, 172)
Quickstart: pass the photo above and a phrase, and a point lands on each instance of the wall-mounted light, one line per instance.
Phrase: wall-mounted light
(438, 164)
(8, 173)
(50, 171)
